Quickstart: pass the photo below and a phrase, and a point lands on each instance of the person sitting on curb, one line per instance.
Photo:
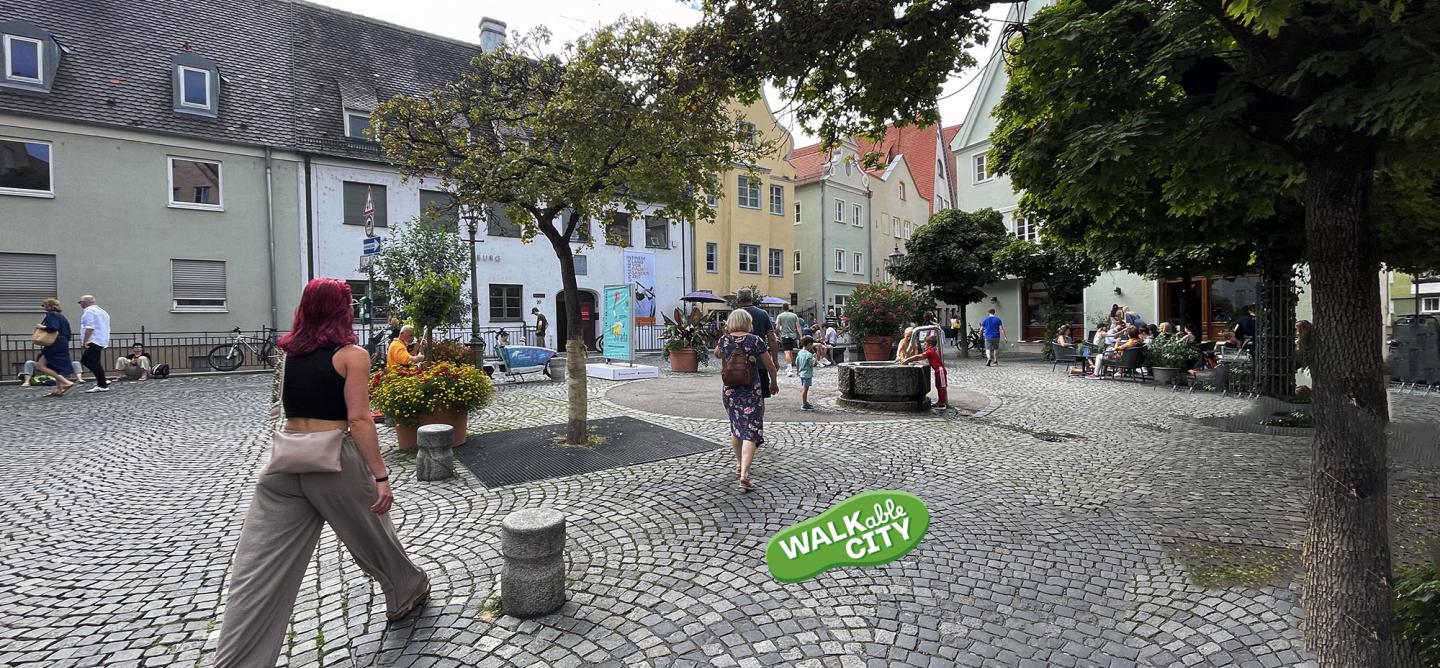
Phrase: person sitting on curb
(135, 366)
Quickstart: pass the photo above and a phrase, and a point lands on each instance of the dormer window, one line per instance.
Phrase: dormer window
(29, 57)
(24, 60)
(356, 123)
(194, 85)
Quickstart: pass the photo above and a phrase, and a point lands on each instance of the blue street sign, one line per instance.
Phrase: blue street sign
(372, 246)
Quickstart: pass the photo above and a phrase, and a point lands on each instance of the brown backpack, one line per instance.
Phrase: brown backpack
(738, 370)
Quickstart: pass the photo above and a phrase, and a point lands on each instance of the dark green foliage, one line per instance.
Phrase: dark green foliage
(953, 256)
(1417, 612)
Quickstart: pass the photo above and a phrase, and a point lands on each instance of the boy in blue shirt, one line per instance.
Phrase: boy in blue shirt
(805, 365)
(994, 331)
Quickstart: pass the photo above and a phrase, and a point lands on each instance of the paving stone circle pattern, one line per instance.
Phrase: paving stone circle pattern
(1051, 507)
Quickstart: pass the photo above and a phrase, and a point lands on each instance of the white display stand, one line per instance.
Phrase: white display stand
(621, 371)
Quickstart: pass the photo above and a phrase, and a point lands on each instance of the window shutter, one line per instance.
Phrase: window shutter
(25, 280)
(198, 280)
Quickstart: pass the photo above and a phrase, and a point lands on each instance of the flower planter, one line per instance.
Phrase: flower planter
(1164, 375)
(408, 436)
(876, 348)
(684, 360)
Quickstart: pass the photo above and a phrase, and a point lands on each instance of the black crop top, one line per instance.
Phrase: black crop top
(313, 389)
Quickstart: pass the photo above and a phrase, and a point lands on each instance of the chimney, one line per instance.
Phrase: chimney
(492, 34)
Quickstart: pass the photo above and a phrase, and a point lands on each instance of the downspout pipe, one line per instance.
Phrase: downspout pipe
(824, 251)
(309, 224)
(270, 234)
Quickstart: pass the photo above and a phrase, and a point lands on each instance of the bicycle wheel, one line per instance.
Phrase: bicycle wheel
(269, 355)
(226, 357)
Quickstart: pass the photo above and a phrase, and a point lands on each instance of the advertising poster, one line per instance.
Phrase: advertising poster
(640, 271)
(617, 312)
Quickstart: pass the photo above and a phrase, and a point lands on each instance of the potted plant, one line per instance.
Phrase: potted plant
(1167, 356)
(438, 393)
(688, 340)
(877, 312)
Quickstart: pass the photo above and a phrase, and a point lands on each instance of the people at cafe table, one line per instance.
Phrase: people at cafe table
(1132, 340)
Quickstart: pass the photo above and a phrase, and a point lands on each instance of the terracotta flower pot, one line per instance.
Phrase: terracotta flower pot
(876, 348)
(684, 360)
(409, 436)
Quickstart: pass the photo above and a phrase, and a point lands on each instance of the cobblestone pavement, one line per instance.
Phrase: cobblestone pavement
(1050, 516)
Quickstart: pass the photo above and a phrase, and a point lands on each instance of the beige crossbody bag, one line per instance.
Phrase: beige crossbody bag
(296, 451)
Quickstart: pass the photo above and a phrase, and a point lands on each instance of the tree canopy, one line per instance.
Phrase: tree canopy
(617, 121)
(953, 255)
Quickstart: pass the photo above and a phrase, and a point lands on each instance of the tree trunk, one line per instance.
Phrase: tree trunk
(1275, 327)
(964, 335)
(575, 349)
(1347, 551)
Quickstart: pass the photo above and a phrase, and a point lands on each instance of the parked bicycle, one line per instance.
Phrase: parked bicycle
(975, 341)
(231, 356)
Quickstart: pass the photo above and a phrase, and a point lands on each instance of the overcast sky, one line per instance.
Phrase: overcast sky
(566, 19)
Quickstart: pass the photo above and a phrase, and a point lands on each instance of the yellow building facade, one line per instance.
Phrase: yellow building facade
(752, 241)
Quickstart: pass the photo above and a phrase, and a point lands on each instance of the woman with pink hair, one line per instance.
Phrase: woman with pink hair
(325, 388)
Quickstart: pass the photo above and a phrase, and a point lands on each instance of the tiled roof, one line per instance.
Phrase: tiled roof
(809, 163)
(346, 60)
(917, 145)
(117, 68)
(288, 68)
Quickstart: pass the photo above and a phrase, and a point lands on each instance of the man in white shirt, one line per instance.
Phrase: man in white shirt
(96, 325)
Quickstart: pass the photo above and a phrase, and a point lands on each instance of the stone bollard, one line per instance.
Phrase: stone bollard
(533, 544)
(436, 458)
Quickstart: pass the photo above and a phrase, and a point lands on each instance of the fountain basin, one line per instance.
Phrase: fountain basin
(885, 386)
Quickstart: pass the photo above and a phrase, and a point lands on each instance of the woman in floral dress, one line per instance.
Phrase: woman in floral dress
(744, 404)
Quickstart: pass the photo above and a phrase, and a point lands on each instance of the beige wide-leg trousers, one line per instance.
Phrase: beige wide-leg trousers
(279, 537)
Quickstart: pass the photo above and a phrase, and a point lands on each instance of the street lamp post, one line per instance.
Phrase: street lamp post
(894, 261)
(473, 217)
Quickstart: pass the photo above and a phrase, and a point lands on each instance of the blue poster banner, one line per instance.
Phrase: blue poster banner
(618, 310)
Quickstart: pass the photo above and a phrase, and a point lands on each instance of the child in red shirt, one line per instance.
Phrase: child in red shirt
(931, 354)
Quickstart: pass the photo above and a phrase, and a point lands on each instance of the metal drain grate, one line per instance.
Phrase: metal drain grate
(506, 458)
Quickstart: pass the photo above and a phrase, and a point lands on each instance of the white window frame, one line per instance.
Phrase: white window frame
(980, 165)
(1430, 304)
(712, 257)
(219, 204)
(839, 210)
(175, 307)
(1026, 229)
(840, 260)
(357, 112)
(777, 205)
(859, 263)
(742, 189)
(902, 191)
(740, 258)
(797, 211)
(775, 261)
(191, 105)
(895, 227)
(39, 59)
(22, 192)
(797, 262)
(857, 212)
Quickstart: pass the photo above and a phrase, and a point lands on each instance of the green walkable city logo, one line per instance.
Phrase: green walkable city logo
(867, 529)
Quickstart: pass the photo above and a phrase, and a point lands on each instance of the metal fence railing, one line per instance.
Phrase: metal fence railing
(188, 352)
(185, 352)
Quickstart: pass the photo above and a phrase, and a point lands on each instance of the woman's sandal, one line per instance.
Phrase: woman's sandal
(60, 392)
(413, 605)
(745, 485)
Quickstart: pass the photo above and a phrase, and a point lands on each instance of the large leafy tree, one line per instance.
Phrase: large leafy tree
(617, 121)
(1321, 92)
(953, 256)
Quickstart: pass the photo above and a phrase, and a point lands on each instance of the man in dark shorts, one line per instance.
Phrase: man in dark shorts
(789, 325)
(762, 328)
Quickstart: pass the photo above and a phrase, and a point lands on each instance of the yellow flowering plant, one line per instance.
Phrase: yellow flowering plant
(408, 393)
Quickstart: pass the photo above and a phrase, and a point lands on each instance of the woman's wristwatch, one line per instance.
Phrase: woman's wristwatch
(383, 478)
